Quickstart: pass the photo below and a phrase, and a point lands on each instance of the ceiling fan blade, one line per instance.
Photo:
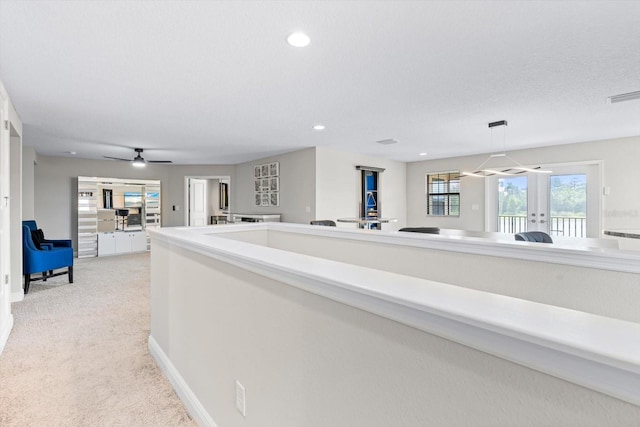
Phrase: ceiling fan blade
(159, 161)
(117, 158)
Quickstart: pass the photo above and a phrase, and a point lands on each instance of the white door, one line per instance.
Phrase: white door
(565, 203)
(197, 202)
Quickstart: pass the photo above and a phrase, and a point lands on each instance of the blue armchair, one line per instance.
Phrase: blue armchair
(44, 260)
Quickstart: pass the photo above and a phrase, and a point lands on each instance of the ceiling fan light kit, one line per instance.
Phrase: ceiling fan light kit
(515, 169)
(138, 161)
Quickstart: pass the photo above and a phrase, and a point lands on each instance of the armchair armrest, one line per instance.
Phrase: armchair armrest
(64, 243)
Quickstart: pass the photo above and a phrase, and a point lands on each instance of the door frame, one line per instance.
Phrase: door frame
(491, 199)
(187, 180)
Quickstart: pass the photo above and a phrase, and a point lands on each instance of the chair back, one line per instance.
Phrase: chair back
(31, 223)
(534, 236)
(27, 240)
(325, 222)
(427, 230)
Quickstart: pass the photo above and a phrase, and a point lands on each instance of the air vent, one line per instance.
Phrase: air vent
(387, 141)
(623, 97)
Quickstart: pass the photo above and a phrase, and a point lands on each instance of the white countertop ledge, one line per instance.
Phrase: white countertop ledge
(594, 351)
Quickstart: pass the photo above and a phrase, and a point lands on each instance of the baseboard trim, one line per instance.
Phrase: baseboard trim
(5, 331)
(190, 401)
(17, 296)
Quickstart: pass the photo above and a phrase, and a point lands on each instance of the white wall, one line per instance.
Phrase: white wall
(621, 209)
(28, 183)
(297, 187)
(338, 186)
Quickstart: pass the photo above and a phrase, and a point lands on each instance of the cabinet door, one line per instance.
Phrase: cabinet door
(138, 242)
(106, 244)
(123, 243)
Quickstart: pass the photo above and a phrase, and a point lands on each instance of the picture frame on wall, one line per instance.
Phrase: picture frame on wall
(266, 184)
(274, 184)
(274, 169)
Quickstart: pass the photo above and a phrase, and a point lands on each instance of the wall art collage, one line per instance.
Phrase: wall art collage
(267, 184)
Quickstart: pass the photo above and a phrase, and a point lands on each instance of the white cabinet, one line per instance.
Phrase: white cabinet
(121, 242)
(106, 244)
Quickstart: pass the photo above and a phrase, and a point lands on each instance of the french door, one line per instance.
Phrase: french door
(565, 203)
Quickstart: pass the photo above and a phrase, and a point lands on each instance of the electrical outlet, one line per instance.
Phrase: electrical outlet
(307, 209)
(240, 398)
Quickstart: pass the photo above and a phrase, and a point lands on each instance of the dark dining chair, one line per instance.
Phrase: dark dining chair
(427, 230)
(325, 222)
(534, 236)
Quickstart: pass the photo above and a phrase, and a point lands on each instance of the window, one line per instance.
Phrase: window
(443, 193)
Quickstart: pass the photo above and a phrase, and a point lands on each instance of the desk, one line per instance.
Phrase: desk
(218, 219)
(370, 223)
(365, 220)
(255, 217)
(629, 234)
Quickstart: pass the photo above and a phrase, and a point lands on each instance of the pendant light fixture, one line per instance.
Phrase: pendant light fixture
(515, 168)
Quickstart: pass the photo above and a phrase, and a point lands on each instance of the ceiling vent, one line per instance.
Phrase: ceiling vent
(387, 141)
(623, 97)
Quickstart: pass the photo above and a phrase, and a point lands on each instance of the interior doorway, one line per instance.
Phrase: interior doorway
(207, 199)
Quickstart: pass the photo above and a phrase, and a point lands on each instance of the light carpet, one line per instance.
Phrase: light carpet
(78, 355)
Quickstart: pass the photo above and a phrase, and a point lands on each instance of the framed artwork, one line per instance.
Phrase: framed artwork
(224, 196)
(274, 184)
(274, 169)
(266, 184)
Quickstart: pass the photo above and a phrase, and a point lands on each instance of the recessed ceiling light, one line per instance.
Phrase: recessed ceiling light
(318, 127)
(298, 40)
(423, 154)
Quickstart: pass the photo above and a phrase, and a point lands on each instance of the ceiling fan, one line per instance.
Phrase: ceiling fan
(138, 160)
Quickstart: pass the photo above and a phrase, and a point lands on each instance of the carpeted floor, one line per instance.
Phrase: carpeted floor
(78, 356)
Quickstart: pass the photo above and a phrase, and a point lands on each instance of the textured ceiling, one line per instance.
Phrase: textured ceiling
(215, 82)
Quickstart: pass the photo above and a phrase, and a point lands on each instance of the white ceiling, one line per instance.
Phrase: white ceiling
(202, 82)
